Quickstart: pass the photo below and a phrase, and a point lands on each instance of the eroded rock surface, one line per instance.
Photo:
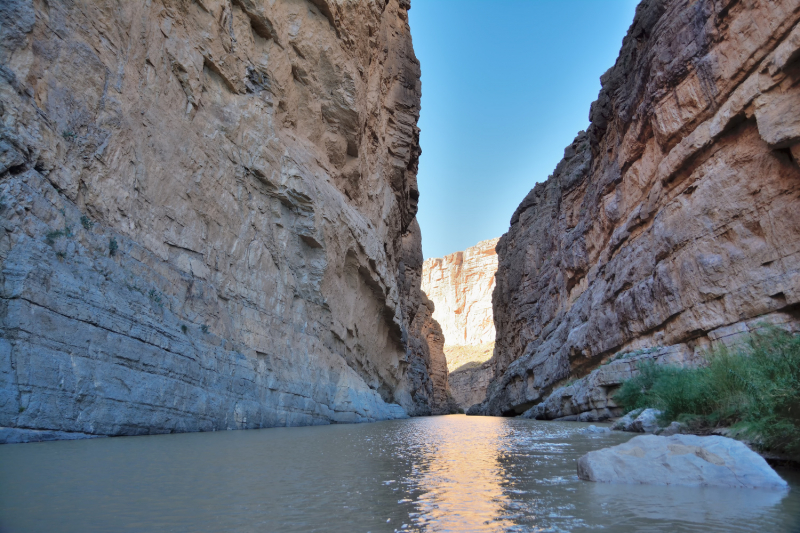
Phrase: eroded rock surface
(208, 214)
(461, 286)
(686, 460)
(427, 343)
(591, 397)
(677, 214)
(468, 383)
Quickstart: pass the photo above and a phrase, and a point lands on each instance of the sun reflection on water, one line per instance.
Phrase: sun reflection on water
(459, 477)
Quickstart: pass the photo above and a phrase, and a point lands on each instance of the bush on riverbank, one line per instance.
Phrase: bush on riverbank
(754, 388)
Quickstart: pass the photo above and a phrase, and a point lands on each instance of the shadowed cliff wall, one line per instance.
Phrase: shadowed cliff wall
(208, 213)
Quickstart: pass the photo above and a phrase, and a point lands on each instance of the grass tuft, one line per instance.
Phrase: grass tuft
(155, 296)
(754, 388)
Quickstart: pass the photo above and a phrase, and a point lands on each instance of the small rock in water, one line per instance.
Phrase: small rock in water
(686, 460)
(639, 421)
(595, 430)
(624, 423)
(673, 429)
(647, 422)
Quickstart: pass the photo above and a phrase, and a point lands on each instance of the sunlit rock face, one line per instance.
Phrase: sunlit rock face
(460, 285)
(675, 217)
(208, 208)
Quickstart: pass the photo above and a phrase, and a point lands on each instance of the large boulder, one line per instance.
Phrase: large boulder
(686, 460)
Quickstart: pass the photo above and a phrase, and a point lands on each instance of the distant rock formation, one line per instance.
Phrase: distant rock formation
(461, 286)
(675, 217)
(208, 214)
(468, 383)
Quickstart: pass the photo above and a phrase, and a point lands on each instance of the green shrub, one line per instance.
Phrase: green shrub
(87, 223)
(155, 296)
(754, 388)
(113, 246)
(53, 236)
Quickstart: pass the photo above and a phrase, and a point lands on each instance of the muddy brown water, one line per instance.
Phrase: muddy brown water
(451, 473)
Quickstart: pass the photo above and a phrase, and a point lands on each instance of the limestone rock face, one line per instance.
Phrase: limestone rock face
(208, 214)
(677, 214)
(591, 397)
(685, 460)
(461, 286)
(468, 383)
(430, 363)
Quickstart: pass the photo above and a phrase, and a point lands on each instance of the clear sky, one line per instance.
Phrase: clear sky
(506, 86)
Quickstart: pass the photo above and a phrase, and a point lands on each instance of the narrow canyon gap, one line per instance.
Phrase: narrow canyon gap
(460, 286)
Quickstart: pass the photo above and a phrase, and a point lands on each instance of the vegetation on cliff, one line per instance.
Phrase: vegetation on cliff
(754, 388)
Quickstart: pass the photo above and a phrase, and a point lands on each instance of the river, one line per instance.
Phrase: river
(450, 473)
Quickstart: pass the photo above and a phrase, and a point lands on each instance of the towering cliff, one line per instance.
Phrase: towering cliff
(460, 286)
(674, 220)
(208, 213)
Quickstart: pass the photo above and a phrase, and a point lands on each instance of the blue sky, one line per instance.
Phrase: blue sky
(506, 86)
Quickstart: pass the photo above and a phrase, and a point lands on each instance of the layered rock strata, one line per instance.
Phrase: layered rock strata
(461, 286)
(427, 343)
(468, 383)
(676, 214)
(591, 398)
(208, 214)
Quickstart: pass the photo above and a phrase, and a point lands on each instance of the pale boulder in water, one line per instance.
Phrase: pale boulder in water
(686, 460)
(639, 421)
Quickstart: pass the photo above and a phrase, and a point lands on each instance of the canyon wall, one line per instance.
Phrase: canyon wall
(675, 218)
(208, 212)
(461, 285)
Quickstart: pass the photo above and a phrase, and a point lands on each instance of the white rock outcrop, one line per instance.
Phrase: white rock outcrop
(686, 460)
(639, 421)
(461, 286)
